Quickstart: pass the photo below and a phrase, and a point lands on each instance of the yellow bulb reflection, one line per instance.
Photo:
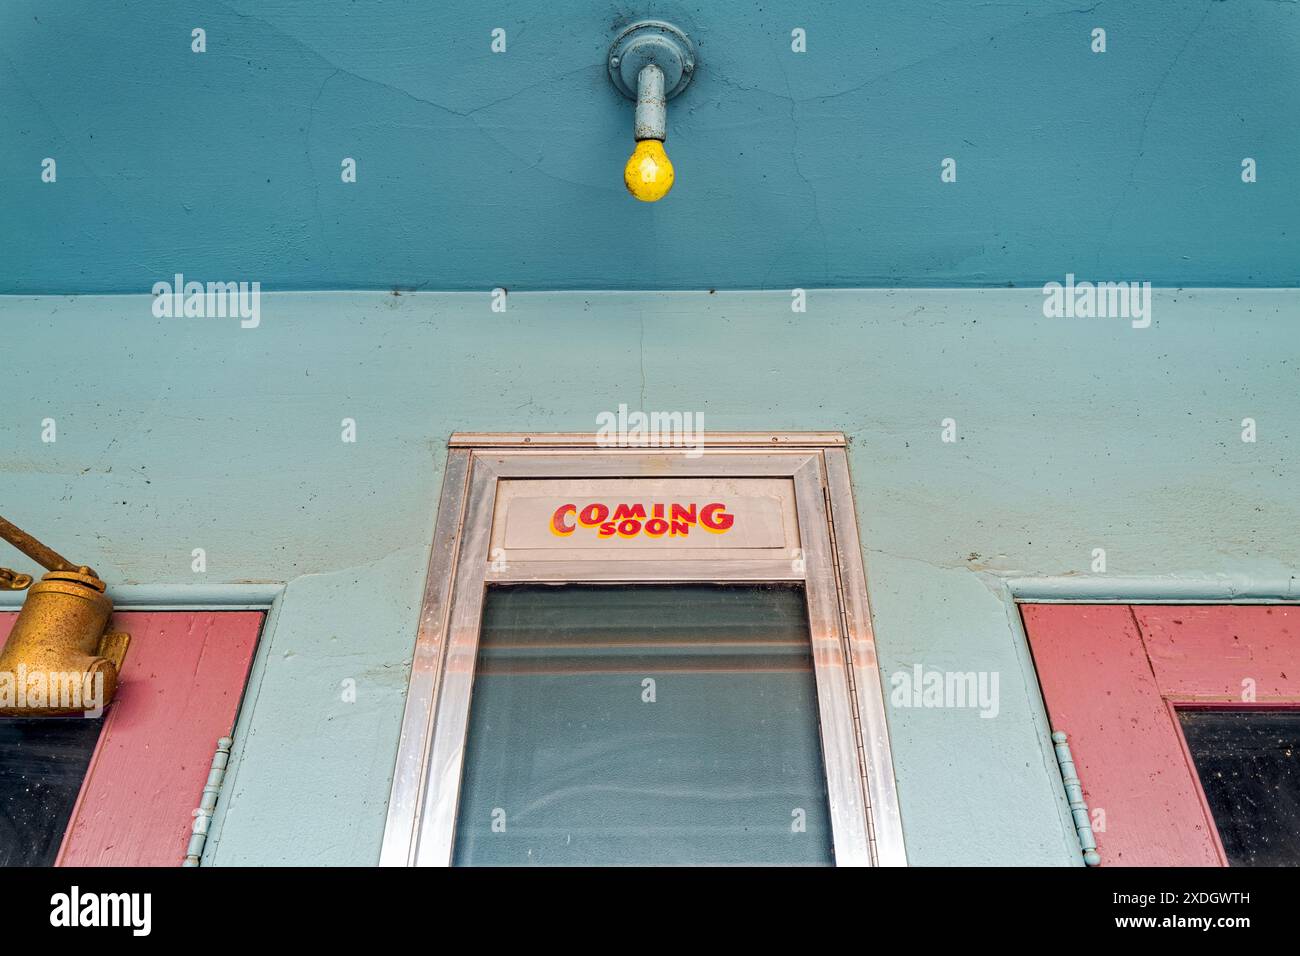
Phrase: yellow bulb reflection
(648, 173)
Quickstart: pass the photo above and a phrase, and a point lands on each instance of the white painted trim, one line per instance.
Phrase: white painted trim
(177, 597)
(1154, 589)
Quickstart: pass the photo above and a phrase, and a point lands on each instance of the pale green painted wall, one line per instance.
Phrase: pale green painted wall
(175, 434)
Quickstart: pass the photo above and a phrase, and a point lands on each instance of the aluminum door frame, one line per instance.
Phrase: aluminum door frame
(862, 795)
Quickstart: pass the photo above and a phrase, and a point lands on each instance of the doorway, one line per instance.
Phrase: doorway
(640, 656)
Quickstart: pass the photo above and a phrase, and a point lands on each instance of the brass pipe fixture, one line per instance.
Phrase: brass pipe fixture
(43, 555)
(60, 658)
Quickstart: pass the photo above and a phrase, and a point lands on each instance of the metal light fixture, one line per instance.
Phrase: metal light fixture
(651, 62)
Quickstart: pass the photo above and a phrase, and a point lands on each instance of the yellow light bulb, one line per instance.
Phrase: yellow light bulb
(648, 173)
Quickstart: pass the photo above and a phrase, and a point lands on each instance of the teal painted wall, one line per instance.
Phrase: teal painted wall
(175, 434)
(478, 170)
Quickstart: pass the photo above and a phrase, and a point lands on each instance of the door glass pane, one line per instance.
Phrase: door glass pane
(43, 762)
(1249, 765)
(644, 725)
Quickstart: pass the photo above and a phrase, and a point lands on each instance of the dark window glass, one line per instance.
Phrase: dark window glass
(644, 725)
(43, 761)
(1249, 765)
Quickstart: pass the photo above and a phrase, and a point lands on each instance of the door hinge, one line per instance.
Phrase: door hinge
(208, 803)
(1074, 793)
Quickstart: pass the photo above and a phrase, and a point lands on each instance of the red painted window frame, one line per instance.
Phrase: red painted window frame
(1114, 676)
(180, 691)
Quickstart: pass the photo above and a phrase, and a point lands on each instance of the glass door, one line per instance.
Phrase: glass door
(660, 724)
(643, 658)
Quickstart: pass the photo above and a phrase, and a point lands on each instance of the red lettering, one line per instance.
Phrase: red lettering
(714, 517)
(593, 515)
(558, 527)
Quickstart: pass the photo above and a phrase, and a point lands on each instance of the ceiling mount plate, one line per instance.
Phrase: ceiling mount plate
(651, 41)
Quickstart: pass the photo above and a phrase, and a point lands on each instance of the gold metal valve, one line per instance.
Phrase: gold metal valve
(60, 657)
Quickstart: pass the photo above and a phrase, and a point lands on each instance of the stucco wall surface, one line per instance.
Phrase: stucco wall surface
(1071, 434)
